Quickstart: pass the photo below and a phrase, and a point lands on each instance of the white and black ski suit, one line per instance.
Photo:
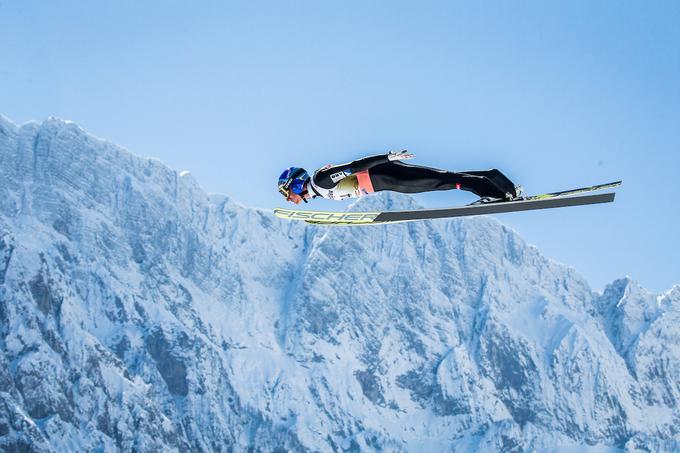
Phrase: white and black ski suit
(378, 173)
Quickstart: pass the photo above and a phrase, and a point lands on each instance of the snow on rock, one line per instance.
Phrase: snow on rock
(139, 312)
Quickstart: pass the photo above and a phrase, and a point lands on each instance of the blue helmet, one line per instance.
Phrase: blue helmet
(293, 179)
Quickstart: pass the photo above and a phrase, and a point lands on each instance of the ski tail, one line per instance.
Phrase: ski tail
(580, 190)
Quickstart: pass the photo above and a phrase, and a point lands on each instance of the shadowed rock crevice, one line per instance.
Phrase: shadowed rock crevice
(371, 386)
(46, 297)
(6, 250)
(171, 367)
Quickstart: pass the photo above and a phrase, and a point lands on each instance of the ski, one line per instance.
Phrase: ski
(374, 218)
(561, 199)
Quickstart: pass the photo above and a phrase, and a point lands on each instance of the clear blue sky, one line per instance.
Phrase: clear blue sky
(555, 94)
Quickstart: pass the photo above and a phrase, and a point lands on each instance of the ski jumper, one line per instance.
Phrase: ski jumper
(378, 173)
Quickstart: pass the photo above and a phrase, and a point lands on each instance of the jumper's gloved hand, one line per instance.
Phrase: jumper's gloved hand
(399, 155)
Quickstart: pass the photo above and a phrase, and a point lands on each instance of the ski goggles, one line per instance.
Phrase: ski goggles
(283, 191)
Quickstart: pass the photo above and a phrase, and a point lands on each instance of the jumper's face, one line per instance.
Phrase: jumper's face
(294, 198)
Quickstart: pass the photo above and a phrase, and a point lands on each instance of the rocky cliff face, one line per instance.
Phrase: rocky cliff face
(138, 312)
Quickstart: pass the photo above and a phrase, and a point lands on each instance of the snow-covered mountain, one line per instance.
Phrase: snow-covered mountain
(139, 313)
